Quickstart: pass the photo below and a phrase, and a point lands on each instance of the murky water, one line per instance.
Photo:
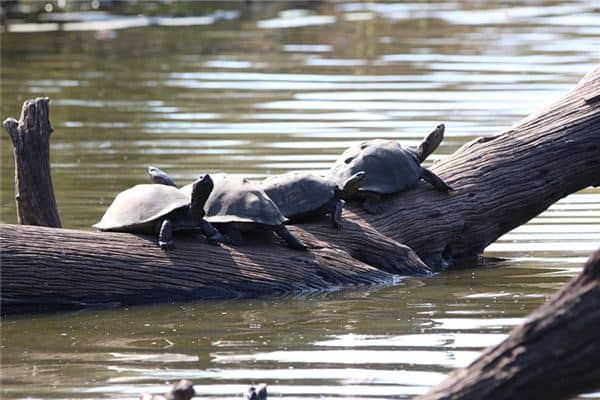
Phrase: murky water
(266, 90)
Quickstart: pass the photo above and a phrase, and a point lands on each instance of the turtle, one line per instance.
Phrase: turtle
(236, 205)
(182, 390)
(389, 167)
(302, 195)
(259, 393)
(162, 209)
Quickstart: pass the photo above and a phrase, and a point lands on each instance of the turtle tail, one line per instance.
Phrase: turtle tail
(430, 143)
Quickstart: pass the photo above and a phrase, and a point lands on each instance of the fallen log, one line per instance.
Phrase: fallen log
(554, 355)
(500, 182)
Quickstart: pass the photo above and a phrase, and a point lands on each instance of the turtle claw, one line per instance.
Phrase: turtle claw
(215, 239)
(166, 245)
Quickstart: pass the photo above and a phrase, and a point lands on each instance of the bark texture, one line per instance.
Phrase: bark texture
(51, 268)
(30, 137)
(500, 182)
(554, 355)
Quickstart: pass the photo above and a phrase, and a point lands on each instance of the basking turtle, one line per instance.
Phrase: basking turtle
(236, 205)
(389, 168)
(160, 209)
(302, 195)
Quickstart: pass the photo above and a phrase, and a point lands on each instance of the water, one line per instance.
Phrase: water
(263, 89)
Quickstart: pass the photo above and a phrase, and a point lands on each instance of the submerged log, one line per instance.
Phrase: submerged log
(554, 355)
(500, 182)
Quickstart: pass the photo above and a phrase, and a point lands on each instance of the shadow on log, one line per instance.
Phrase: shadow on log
(500, 182)
(554, 355)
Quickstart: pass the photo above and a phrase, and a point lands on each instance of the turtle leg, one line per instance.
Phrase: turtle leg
(372, 204)
(335, 212)
(231, 235)
(435, 180)
(264, 234)
(210, 232)
(165, 235)
(291, 240)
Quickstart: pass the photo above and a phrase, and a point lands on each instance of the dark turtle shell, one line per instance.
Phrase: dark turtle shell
(299, 193)
(235, 199)
(136, 209)
(389, 167)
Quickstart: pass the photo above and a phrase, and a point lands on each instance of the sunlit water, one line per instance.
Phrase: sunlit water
(267, 89)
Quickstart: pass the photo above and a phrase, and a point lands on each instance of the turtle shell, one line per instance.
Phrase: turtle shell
(235, 199)
(135, 209)
(299, 193)
(389, 167)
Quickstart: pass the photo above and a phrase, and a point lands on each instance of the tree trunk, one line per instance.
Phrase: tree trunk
(500, 182)
(33, 181)
(555, 354)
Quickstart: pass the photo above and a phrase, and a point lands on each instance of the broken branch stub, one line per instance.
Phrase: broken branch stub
(30, 137)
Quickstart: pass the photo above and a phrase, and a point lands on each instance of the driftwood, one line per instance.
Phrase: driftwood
(554, 355)
(500, 182)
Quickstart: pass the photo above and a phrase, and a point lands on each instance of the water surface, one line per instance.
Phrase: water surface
(260, 91)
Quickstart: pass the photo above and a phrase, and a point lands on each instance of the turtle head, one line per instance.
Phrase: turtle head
(259, 393)
(159, 176)
(182, 390)
(352, 185)
(201, 189)
(430, 143)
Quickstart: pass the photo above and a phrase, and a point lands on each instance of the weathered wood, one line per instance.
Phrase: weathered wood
(33, 180)
(60, 268)
(501, 182)
(554, 355)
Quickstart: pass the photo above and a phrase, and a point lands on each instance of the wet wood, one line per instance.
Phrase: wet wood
(500, 182)
(554, 355)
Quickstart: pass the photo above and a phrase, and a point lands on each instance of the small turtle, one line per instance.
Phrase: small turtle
(389, 168)
(160, 209)
(302, 195)
(259, 393)
(182, 390)
(236, 205)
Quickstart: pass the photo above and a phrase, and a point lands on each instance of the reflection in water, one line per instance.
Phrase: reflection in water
(288, 86)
